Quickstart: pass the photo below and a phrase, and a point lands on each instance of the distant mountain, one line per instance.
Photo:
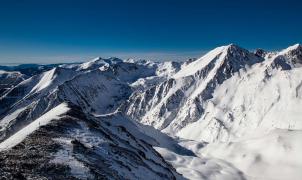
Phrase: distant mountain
(8, 79)
(29, 69)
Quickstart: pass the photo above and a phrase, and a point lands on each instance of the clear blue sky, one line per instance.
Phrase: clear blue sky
(72, 30)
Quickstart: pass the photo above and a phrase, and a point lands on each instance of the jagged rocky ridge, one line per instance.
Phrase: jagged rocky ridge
(80, 146)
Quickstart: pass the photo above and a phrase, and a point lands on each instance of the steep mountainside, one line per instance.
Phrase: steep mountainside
(265, 97)
(180, 100)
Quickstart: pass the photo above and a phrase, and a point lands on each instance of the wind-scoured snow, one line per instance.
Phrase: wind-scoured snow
(27, 130)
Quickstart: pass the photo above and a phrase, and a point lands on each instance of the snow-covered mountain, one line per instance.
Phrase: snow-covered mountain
(237, 101)
(217, 96)
(180, 100)
(264, 98)
(69, 106)
(231, 114)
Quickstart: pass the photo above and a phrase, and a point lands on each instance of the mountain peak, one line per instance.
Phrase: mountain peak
(99, 62)
(96, 59)
(231, 48)
(232, 54)
(295, 46)
(260, 52)
(233, 45)
(100, 59)
(292, 49)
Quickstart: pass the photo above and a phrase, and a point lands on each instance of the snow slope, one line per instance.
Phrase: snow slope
(9, 118)
(52, 78)
(45, 80)
(276, 155)
(201, 63)
(27, 130)
(200, 168)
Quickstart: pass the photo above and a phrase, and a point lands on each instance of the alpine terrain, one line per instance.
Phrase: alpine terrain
(231, 114)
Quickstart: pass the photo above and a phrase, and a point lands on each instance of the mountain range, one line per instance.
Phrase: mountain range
(231, 114)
